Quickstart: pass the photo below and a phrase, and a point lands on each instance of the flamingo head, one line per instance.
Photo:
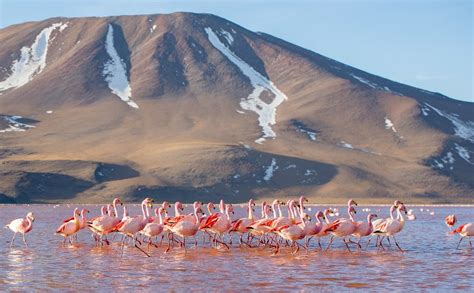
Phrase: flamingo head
(275, 202)
(306, 217)
(371, 216)
(303, 199)
(351, 202)
(352, 210)
(329, 212)
(229, 208)
(402, 208)
(398, 203)
(450, 220)
(30, 216)
(85, 211)
(320, 214)
(117, 201)
(148, 202)
(251, 202)
(211, 206)
(166, 205)
(103, 210)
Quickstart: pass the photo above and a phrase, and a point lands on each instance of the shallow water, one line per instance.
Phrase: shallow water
(430, 263)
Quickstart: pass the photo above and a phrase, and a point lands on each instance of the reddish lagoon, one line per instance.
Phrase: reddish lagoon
(430, 263)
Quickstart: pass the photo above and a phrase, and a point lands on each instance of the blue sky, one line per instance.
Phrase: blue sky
(424, 43)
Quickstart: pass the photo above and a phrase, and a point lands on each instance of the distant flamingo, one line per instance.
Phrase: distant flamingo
(312, 229)
(450, 221)
(68, 229)
(220, 223)
(22, 226)
(241, 225)
(465, 230)
(292, 233)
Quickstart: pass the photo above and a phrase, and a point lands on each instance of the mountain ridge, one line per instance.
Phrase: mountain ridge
(207, 92)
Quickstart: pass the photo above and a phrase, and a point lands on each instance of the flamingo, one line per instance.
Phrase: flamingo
(82, 221)
(154, 228)
(450, 221)
(105, 224)
(22, 226)
(313, 229)
(392, 226)
(465, 230)
(220, 223)
(241, 225)
(364, 229)
(292, 233)
(69, 228)
(185, 228)
(132, 225)
(343, 227)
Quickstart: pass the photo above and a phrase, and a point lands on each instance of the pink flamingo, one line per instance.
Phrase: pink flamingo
(154, 228)
(241, 225)
(132, 225)
(390, 227)
(22, 226)
(364, 229)
(292, 233)
(323, 232)
(70, 227)
(220, 224)
(105, 224)
(185, 228)
(450, 221)
(313, 229)
(343, 227)
(465, 230)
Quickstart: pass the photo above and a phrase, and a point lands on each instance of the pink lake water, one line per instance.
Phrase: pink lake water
(431, 261)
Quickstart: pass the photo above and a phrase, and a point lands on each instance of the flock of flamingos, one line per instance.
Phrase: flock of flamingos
(272, 229)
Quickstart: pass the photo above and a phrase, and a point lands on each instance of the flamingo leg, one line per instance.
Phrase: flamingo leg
(319, 243)
(13, 239)
(184, 245)
(396, 243)
(330, 243)
(459, 242)
(470, 244)
(347, 244)
(24, 240)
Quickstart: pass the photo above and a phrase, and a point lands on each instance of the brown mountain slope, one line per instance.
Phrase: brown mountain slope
(181, 106)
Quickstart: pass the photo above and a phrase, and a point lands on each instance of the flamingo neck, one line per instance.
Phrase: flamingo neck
(209, 209)
(160, 218)
(102, 211)
(125, 212)
(144, 211)
(222, 206)
(290, 212)
(263, 209)
(391, 212)
(280, 214)
(301, 206)
(29, 223)
(250, 211)
(400, 216)
(196, 217)
(115, 209)
(326, 213)
(177, 213)
(350, 214)
(274, 210)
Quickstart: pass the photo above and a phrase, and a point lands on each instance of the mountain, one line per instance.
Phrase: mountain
(190, 106)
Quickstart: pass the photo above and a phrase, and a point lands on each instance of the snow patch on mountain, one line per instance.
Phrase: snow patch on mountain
(115, 72)
(463, 153)
(228, 37)
(389, 125)
(270, 170)
(462, 129)
(14, 125)
(32, 60)
(266, 112)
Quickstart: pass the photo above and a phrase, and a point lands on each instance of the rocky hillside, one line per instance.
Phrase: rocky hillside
(192, 106)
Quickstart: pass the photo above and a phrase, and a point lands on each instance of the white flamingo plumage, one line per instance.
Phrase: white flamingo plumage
(22, 226)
